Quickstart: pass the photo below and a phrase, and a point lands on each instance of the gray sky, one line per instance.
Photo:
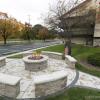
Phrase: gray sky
(21, 9)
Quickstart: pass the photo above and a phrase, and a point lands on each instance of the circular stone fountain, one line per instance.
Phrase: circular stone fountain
(34, 65)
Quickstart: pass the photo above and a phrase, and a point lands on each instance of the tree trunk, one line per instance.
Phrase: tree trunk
(5, 40)
(68, 46)
(68, 41)
(44, 39)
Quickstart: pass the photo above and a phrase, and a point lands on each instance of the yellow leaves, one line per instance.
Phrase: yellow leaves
(10, 27)
(43, 33)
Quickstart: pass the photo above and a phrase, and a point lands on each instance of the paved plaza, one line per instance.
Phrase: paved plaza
(16, 67)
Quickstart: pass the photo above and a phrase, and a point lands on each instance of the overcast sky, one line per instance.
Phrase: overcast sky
(21, 9)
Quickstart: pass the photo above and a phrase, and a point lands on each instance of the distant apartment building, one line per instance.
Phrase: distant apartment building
(3, 15)
(85, 19)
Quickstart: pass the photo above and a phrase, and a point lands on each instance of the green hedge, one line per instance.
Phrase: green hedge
(94, 59)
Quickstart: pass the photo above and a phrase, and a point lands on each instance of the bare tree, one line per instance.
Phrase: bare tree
(56, 20)
(60, 16)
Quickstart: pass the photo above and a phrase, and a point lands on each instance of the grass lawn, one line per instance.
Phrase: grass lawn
(81, 52)
(74, 94)
(19, 56)
(78, 94)
(57, 48)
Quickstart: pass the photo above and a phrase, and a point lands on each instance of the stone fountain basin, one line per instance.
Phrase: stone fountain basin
(35, 65)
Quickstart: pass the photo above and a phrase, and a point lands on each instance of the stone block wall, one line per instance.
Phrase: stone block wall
(50, 87)
(53, 55)
(2, 62)
(96, 42)
(70, 64)
(70, 61)
(36, 66)
(47, 88)
(10, 90)
(9, 85)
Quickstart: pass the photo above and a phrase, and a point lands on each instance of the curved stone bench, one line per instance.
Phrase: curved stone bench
(2, 61)
(70, 61)
(9, 85)
(54, 55)
(50, 83)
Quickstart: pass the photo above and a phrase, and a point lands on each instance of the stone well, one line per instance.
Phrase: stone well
(35, 65)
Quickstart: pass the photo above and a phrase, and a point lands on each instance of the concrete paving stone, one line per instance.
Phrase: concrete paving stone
(88, 80)
(16, 67)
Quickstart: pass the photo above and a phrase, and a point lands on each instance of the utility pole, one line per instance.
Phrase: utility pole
(29, 19)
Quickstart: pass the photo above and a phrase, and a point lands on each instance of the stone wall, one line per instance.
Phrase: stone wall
(12, 91)
(53, 55)
(9, 90)
(9, 85)
(96, 42)
(70, 61)
(97, 30)
(47, 88)
(35, 65)
(2, 61)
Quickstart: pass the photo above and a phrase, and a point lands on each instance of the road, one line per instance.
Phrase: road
(9, 49)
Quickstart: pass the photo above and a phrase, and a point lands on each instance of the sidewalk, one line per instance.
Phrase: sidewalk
(87, 80)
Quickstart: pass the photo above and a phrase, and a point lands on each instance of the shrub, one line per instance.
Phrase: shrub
(94, 59)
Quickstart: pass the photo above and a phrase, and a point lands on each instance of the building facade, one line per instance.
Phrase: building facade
(86, 22)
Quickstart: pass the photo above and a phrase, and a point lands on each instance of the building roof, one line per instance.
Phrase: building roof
(80, 5)
(3, 14)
